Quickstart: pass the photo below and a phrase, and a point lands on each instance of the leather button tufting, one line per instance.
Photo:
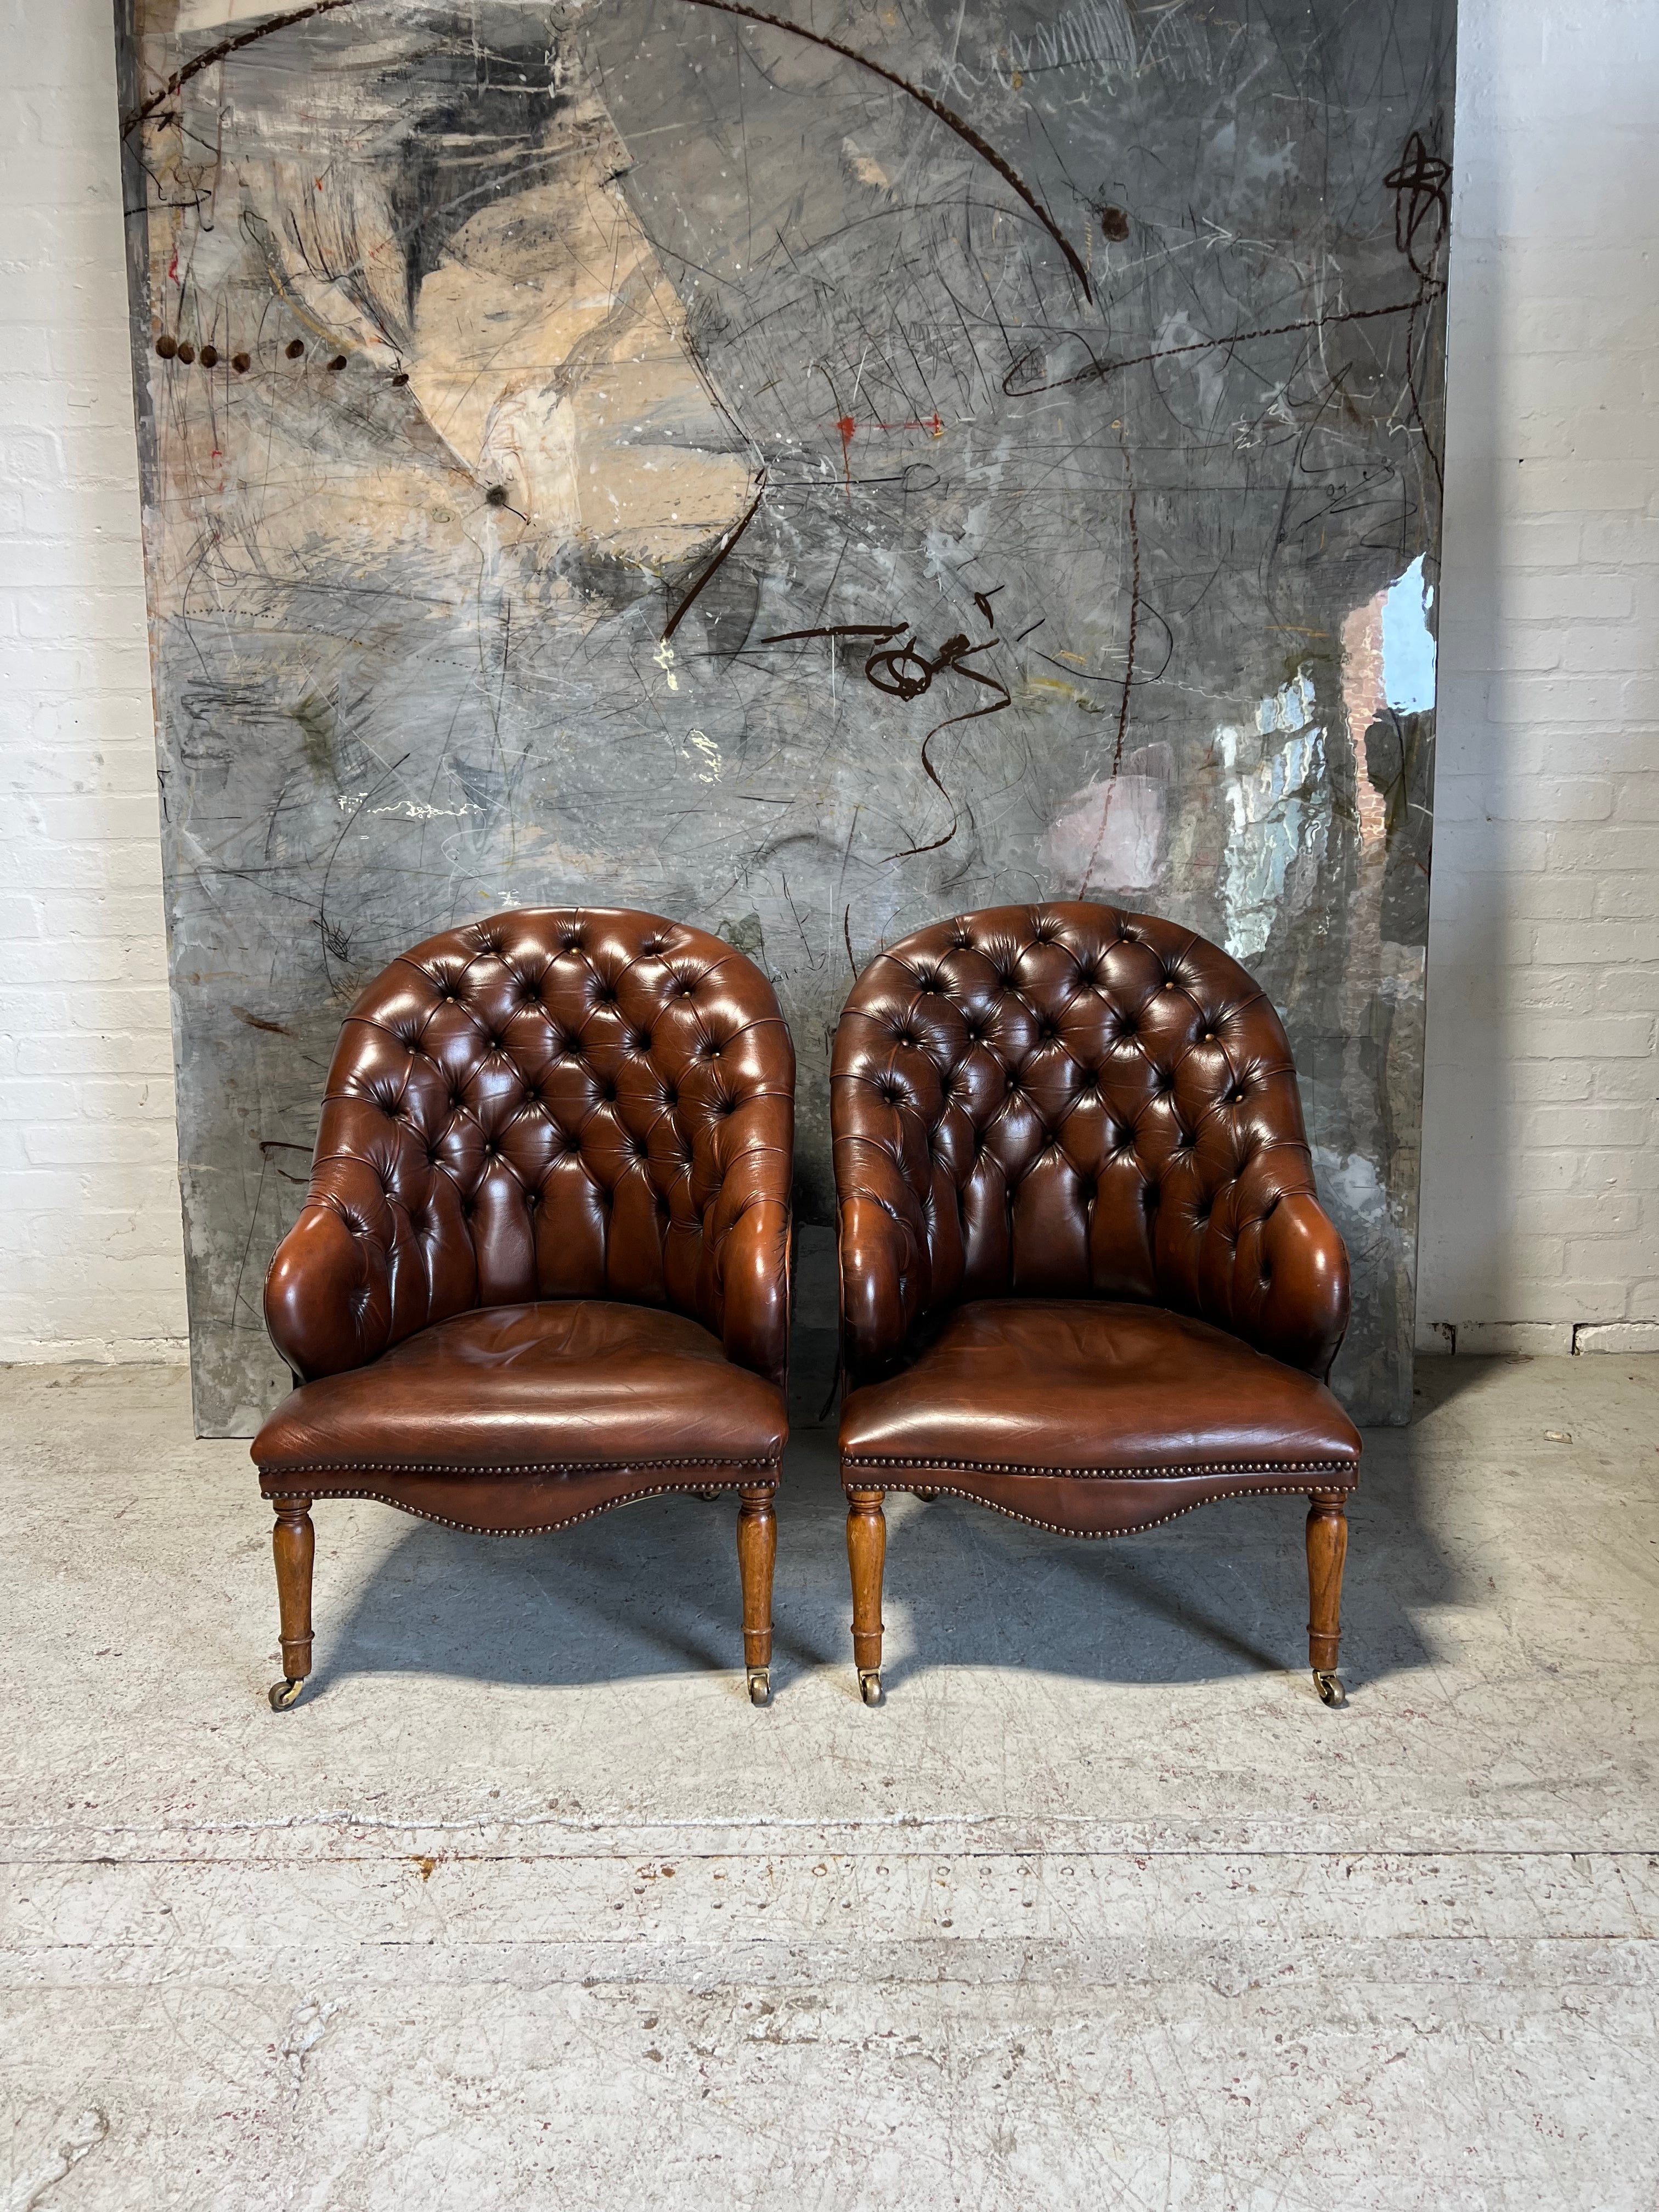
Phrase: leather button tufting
(1101, 1019)
(374, 1263)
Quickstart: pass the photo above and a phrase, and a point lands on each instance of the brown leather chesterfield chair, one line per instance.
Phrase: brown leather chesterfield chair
(543, 1266)
(1085, 1278)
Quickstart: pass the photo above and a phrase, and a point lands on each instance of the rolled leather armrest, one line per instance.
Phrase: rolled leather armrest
(880, 1288)
(755, 1263)
(1303, 1312)
(328, 1293)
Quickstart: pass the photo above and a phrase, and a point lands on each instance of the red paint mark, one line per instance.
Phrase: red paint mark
(318, 182)
(934, 424)
(849, 427)
(172, 268)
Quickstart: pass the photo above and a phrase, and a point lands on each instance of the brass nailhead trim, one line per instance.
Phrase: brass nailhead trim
(1092, 1536)
(529, 1466)
(542, 1528)
(1114, 1474)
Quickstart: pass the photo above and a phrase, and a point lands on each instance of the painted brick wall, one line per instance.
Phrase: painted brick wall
(1541, 1168)
(1541, 1198)
(91, 1263)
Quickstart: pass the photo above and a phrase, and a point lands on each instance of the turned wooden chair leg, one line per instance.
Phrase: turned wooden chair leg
(1328, 1547)
(758, 1552)
(866, 1555)
(294, 1545)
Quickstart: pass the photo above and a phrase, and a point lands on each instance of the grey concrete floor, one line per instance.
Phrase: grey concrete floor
(525, 1906)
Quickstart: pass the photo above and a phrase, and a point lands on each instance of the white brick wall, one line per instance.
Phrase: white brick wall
(1540, 1187)
(1541, 1168)
(91, 1260)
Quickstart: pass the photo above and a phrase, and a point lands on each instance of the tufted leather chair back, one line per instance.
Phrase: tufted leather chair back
(1068, 1101)
(561, 1102)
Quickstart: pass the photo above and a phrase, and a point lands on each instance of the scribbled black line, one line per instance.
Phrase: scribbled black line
(996, 707)
(1421, 184)
(880, 632)
(906, 673)
(847, 935)
(1134, 625)
(181, 77)
(1104, 368)
(722, 551)
(270, 1145)
(952, 655)
(900, 682)
(845, 855)
(948, 116)
(136, 156)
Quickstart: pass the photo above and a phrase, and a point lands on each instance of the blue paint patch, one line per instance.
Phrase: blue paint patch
(1408, 643)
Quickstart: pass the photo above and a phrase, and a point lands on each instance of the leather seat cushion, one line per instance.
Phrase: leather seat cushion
(571, 1385)
(1115, 1396)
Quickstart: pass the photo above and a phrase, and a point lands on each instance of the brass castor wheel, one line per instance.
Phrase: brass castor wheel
(1329, 1686)
(870, 1685)
(707, 1495)
(286, 1693)
(927, 1496)
(760, 1686)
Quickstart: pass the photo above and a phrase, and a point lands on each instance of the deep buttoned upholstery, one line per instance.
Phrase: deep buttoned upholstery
(550, 1104)
(1087, 1277)
(543, 1265)
(1070, 1101)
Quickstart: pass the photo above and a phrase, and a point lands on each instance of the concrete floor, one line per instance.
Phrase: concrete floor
(525, 1906)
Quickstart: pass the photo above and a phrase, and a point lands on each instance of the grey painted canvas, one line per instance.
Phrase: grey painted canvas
(803, 477)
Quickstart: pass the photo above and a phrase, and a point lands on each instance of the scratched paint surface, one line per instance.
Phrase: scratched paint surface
(804, 478)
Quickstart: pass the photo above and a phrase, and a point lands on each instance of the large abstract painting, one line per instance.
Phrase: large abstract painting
(805, 473)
